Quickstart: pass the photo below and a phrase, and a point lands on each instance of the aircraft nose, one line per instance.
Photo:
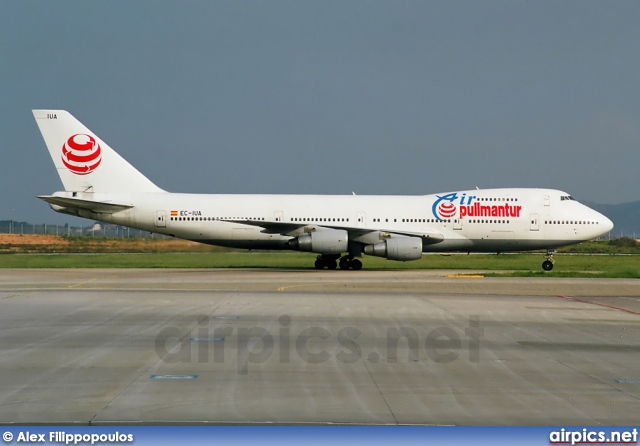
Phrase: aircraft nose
(608, 224)
(605, 225)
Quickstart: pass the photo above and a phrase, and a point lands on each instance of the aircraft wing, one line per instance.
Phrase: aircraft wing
(271, 227)
(93, 206)
(429, 236)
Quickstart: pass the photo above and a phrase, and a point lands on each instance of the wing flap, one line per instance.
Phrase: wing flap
(428, 236)
(274, 227)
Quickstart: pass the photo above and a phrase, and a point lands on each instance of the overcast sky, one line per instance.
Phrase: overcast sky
(328, 97)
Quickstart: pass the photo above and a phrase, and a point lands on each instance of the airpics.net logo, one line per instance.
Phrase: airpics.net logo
(249, 346)
(590, 436)
(81, 154)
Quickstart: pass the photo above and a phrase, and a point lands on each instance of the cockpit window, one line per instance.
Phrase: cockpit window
(566, 197)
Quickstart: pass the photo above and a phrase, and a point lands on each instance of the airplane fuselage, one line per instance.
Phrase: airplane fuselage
(490, 220)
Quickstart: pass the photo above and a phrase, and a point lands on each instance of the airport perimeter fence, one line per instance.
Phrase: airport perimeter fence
(104, 231)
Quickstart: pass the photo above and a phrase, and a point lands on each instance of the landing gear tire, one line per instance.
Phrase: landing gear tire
(547, 265)
(326, 261)
(348, 262)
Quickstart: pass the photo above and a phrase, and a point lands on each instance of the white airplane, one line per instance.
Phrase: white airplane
(100, 185)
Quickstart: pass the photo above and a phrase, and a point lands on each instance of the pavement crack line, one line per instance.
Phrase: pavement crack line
(363, 361)
(612, 307)
(13, 296)
(82, 283)
(145, 370)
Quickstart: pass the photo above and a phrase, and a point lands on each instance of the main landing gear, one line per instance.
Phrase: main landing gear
(327, 261)
(347, 262)
(547, 265)
(330, 261)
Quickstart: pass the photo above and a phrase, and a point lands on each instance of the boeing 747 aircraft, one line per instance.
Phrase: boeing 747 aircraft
(100, 185)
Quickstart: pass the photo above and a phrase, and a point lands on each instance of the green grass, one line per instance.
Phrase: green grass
(158, 260)
(574, 265)
(623, 245)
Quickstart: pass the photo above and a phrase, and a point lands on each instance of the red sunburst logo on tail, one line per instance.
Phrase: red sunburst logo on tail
(81, 154)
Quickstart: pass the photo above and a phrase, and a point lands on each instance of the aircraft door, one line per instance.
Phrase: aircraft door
(278, 216)
(361, 220)
(457, 223)
(535, 226)
(161, 219)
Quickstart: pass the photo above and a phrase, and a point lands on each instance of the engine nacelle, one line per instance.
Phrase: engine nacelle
(331, 241)
(397, 248)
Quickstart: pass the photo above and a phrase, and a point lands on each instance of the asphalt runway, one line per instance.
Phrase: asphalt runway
(278, 346)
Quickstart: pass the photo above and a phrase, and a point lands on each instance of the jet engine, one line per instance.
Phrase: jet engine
(397, 248)
(331, 241)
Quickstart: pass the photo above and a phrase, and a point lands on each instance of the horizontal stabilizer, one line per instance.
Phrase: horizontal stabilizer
(93, 206)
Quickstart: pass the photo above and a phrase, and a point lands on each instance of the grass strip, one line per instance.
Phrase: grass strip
(515, 265)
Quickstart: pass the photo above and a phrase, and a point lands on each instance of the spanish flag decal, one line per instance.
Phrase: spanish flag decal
(174, 213)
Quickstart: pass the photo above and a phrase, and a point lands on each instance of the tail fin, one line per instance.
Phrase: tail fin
(84, 162)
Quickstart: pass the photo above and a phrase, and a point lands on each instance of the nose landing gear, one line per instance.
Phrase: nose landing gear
(547, 265)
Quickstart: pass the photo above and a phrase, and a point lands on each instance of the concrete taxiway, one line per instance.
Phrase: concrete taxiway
(262, 346)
